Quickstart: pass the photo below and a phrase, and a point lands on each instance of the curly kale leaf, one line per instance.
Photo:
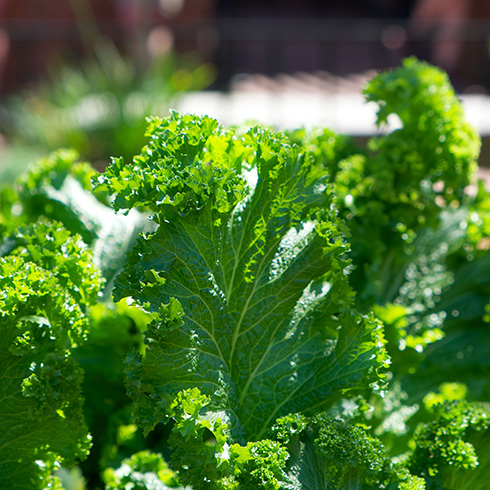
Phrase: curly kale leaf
(405, 180)
(330, 453)
(451, 451)
(58, 187)
(144, 470)
(183, 171)
(44, 294)
(435, 143)
(300, 453)
(245, 276)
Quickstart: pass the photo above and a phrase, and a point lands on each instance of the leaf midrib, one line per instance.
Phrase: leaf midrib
(271, 344)
(260, 268)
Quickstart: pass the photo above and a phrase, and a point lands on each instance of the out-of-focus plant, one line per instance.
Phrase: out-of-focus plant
(99, 107)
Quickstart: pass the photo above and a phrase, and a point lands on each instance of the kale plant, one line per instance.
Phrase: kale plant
(259, 310)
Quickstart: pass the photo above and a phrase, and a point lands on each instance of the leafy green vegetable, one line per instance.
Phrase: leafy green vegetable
(440, 449)
(143, 471)
(52, 188)
(330, 453)
(115, 330)
(245, 277)
(401, 185)
(251, 302)
(46, 284)
(58, 188)
(300, 453)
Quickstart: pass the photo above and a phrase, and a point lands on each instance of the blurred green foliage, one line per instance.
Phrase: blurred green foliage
(99, 106)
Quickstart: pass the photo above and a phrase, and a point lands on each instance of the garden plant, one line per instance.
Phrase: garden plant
(244, 308)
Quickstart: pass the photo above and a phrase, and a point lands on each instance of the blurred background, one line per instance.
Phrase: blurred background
(86, 73)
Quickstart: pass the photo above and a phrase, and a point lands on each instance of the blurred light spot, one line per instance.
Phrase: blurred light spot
(171, 7)
(182, 79)
(394, 122)
(471, 190)
(393, 37)
(483, 244)
(440, 201)
(475, 218)
(438, 186)
(160, 41)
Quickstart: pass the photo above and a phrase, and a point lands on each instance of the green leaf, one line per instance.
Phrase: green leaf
(143, 471)
(57, 188)
(334, 454)
(444, 450)
(42, 318)
(251, 301)
(182, 173)
(435, 141)
(406, 180)
(53, 248)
